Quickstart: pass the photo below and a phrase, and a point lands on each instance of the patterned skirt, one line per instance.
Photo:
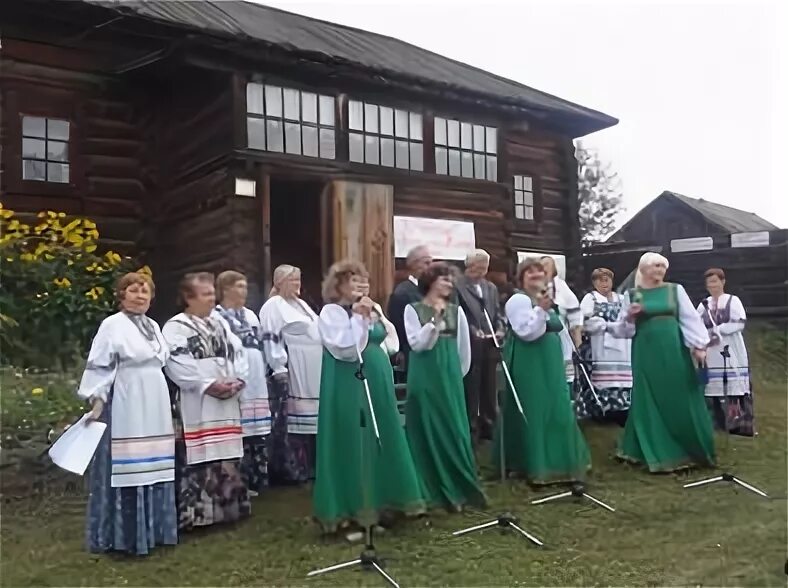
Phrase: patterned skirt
(613, 403)
(132, 519)
(254, 464)
(291, 456)
(741, 419)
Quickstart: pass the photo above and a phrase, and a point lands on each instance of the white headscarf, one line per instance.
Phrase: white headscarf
(647, 259)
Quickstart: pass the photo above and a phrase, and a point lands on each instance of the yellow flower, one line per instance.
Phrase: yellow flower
(51, 214)
(50, 257)
(40, 227)
(69, 262)
(75, 238)
(41, 214)
(37, 391)
(88, 224)
(6, 213)
(62, 282)
(145, 270)
(27, 257)
(14, 224)
(11, 259)
(90, 248)
(41, 248)
(61, 214)
(92, 294)
(92, 267)
(112, 258)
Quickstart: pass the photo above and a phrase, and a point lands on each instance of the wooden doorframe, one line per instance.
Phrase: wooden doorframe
(264, 196)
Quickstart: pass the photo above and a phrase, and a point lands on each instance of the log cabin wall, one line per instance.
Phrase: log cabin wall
(667, 220)
(109, 175)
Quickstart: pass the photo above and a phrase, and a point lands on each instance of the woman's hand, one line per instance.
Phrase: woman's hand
(222, 390)
(544, 302)
(96, 410)
(364, 306)
(634, 311)
(699, 355)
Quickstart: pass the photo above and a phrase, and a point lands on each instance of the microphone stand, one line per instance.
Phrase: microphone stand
(724, 476)
(368, 559)
(505, 520)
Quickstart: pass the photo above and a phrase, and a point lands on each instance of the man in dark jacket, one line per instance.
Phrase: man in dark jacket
(477, 295)
(405, 293)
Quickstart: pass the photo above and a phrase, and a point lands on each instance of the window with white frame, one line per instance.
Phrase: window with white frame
(523, 197)
(45, 149)
(286, 120)
(466, 150)
(381, 135)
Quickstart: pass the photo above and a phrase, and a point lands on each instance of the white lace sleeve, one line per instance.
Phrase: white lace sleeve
(271, 323)
(391, 343)
(692, 328)
(102, 365)
(527, 321)
(420, 338)
(343, 336)
(463, 341)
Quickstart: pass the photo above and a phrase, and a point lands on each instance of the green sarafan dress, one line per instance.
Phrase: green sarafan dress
(358, 479)
(668, 427)
(550, 447)
(435, 417)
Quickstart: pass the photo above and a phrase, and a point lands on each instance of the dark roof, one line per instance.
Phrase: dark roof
(323, 40)
(726, 218)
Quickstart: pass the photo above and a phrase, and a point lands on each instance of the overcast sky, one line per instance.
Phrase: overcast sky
(700, 88)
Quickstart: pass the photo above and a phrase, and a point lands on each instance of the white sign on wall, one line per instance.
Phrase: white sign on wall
(757, 239)
(691, 244)
(445, 239)
(560, 260)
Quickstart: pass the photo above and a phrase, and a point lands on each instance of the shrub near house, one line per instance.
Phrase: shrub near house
(56, 288)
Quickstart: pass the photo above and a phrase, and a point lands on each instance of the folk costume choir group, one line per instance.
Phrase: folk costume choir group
(209, 410)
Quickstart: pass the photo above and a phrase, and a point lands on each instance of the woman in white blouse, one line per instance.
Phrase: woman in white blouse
(724, 317)
(435, 417)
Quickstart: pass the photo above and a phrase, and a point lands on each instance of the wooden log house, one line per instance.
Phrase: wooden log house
(216, 135)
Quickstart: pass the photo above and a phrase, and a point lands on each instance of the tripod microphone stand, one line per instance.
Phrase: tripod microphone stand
(725, 476)
(505, 520)
(368, 559)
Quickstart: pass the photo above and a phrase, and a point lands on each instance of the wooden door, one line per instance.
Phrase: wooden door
(363, 229)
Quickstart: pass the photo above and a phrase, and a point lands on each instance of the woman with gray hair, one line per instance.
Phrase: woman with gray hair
(668, 427)
(294, 352)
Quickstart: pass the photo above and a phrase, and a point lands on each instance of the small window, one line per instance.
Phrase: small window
(381, 135)
(523, 198)
(45, 156)
(285, 120)
(466, 150)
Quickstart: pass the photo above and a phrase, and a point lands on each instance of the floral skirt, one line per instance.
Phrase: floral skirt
(254, 464)
(291, 456)
(741, 419)
(132, 519)
(614, 402)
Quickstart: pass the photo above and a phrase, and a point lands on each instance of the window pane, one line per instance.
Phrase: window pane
(34, 148)
(57, 151)
(273, 130)
(356, 115)
(293, 138)
(518, 182)
(519, 212)
(478, 166)
(453, 133)
(492, 140)
(371, 146)
(57, 129)
(371, 118)
(273, 101)
(292, 99)
(417, 156)
(254, 98)
(327, 111)
(33, 170)
(386, 151)
(309, 139)
(255, 133)
(441, 161)
(402, 154)
(386, 120)
(356, 147)
(529, 213)
(309, 107)
(401, 123)
(440, 131)
(57, 172)
(528, 198)
(518, 197)
(528, 183)
(328, 146)
(415, 126)
(492, 168)
(454, 162)
(466, 135)
(33, 126)
(478, 138)
(467, 164)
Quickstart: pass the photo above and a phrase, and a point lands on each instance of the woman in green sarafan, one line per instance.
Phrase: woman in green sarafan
(549, 448)
(435, 417)
(359, 481)
(669, 427)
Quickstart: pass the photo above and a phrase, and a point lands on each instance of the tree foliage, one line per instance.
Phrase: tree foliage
(599, 196)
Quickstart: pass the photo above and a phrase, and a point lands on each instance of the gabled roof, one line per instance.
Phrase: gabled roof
(725, 218)
(325, 41)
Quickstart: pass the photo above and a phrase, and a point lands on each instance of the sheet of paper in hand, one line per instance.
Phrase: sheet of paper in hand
(75, 448)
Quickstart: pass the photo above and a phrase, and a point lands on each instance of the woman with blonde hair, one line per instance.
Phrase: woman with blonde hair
(131, 507)
(231, 292)
(294, 352)
(359, 482)
(668, 427)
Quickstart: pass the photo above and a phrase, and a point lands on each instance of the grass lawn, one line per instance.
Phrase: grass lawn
(661, 534)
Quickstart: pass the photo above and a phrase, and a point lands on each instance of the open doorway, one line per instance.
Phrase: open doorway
(296, 234)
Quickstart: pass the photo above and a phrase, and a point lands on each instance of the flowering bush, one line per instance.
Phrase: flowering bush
(56, 288)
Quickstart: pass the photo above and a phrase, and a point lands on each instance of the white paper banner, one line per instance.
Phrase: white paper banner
(691, 244)
(445, 239)
(560, 260)
(759, 239)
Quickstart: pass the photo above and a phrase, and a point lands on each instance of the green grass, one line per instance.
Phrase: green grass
(661, 534)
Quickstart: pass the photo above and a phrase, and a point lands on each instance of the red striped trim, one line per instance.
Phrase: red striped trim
(213, 432)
